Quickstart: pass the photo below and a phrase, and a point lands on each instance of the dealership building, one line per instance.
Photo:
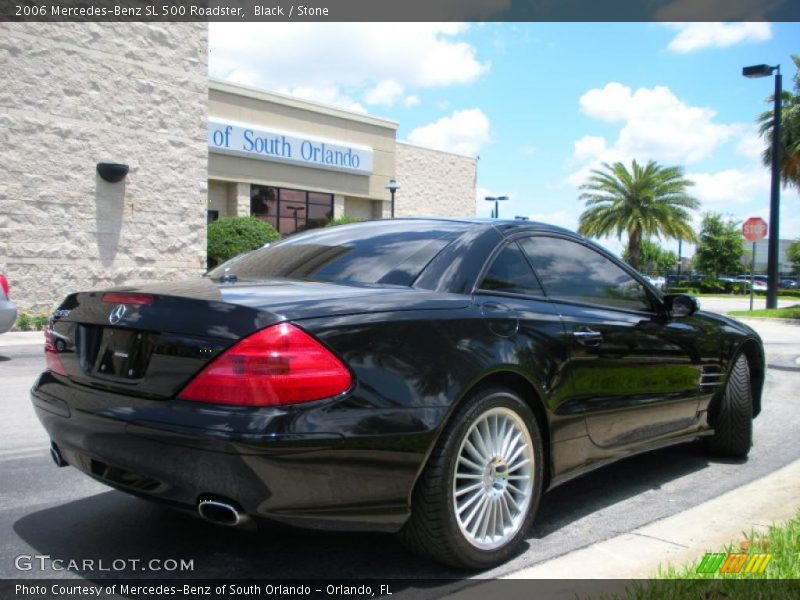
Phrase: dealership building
(298, 164)
(81, 95)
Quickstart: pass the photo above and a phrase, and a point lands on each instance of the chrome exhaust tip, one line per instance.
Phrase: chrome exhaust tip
(221, 512)
(55, 454)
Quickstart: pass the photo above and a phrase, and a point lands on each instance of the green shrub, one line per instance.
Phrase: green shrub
(230, 236)
(786, 293)
(24, 321)
(692, 285)
(341, 221)
(680, 290)
(739, 287)
(39, 321)
(712, 286)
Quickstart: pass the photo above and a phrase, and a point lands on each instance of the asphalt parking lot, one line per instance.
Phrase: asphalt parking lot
(61, 513)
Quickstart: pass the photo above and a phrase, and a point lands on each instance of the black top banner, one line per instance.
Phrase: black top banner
(400, 10)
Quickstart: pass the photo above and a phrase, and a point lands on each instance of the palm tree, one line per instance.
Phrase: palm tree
(790, 131)
(646, 201)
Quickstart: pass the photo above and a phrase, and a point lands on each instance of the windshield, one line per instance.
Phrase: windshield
(392, 252)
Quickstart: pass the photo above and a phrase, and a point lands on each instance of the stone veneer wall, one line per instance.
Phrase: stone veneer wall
(73, 95)
(434, 183)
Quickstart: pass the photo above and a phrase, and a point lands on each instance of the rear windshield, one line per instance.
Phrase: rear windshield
(378, 252)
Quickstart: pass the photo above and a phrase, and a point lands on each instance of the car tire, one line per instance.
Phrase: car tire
(473, 505)
(732, 415)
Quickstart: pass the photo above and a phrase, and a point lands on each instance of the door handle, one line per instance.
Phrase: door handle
(588, 338)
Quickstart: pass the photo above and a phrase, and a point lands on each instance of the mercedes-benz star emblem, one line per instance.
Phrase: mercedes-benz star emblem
(117, 313)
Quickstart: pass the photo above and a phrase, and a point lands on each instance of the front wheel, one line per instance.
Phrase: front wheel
(732, 416)
(479, 492)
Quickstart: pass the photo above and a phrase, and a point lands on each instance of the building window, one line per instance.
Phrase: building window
(290, 211)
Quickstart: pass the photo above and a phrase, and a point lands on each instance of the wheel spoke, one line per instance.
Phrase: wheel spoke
(469, 488)
(465, 461)
(471, 500)
(479, 514)
(518, 465)
(476, 454)
(477, 437)
(519, 450)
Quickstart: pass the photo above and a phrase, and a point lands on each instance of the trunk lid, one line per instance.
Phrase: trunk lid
(153, 349)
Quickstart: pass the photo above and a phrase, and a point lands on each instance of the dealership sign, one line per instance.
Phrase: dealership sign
(229, 137)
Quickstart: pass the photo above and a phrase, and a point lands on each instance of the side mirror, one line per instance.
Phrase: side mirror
(680, 306)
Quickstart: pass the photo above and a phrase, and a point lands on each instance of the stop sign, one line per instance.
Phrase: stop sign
(754, 229)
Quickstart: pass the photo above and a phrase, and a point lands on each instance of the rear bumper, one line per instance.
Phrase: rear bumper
(275, 464)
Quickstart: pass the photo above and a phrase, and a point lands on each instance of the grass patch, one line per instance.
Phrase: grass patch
(788, 312)
(782, 541)
(740, 296)
(781, 578)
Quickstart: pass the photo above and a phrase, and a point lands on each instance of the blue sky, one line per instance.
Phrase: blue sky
(542, 104)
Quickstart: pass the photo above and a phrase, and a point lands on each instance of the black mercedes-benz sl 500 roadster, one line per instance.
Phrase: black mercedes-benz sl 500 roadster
(421, 376)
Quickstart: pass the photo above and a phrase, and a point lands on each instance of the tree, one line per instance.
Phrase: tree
(653, 258)
(720, 249)
(793, 254)
(790, 131)
(649, 200)
(230, 236)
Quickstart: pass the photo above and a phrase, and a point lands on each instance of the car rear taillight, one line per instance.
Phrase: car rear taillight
(122, 298)
(281, 364)
(51, 353)
(4, 285)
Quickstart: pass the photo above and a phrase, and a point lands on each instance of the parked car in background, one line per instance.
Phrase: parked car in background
(428, 377)
(658, 281)
(788, 284)
(8, 310)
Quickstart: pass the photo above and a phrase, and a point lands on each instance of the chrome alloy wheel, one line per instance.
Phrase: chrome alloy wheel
(493, 482)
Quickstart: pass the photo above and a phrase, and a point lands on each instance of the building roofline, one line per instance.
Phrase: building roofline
(459, 154)
(293, 102)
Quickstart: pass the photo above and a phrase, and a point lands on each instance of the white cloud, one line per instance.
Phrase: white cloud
(589, 147)
(696, 36)
(463, 132)
(387, 92)
(560, 218)
(411, 101)
(751, 144)
(656, 125)
(724, 189)
(356, 60)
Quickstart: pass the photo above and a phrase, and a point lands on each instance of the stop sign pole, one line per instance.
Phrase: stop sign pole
(754, 230)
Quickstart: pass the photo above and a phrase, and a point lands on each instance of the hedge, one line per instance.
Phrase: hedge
(230, 236)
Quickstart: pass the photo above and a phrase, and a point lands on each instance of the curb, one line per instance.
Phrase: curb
(683, 537)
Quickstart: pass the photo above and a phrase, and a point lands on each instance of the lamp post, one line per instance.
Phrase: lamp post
(392, 187)
(496, 200)
(680, 258)
(775, 193)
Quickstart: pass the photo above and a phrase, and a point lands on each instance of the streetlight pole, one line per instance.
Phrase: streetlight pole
(775, 190)
(496, 200)
(392, 187)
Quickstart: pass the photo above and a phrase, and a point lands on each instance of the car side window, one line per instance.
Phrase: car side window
(511, 272)
(571, 271)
